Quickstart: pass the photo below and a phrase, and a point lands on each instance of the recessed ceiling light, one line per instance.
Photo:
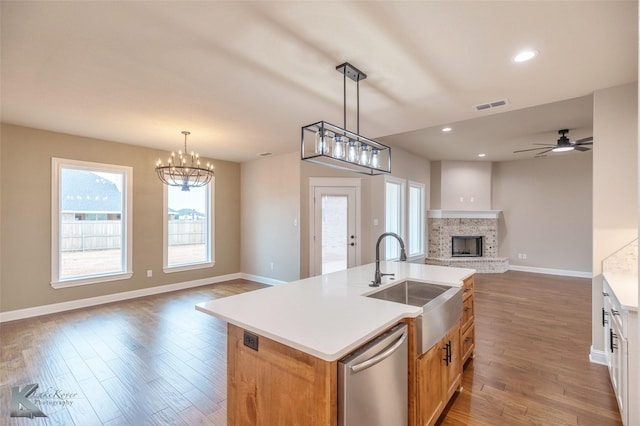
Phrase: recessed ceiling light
(525, 55)
(446, 129)
(482, 155)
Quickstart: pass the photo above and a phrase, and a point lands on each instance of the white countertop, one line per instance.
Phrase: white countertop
(625, 288)
(328, 316)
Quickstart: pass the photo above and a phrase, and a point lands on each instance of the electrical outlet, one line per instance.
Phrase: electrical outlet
(272, 265)
(149, 273)
(250, 341)
(524, 256)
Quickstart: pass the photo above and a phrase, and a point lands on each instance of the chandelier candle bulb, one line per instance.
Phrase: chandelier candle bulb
(184, 174)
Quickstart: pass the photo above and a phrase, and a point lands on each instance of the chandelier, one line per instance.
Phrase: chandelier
(184, 170)
(333, 146)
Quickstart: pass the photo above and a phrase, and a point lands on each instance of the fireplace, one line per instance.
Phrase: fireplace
(479, 240)
(466, 246)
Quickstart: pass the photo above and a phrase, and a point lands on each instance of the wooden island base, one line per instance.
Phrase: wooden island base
(278, 385)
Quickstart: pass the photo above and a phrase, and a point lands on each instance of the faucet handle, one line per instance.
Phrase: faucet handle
(383, 275)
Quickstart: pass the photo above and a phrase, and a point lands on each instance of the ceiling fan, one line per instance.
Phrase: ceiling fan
(563, 144)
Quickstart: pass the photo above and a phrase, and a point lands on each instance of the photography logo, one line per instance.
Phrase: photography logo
(21, 406)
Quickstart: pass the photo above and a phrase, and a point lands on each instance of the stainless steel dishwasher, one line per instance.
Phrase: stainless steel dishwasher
(373, 383)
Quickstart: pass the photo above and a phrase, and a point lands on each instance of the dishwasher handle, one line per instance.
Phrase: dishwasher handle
(381, 356)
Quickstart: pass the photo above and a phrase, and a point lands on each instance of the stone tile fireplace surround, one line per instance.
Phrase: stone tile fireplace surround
(444, 224)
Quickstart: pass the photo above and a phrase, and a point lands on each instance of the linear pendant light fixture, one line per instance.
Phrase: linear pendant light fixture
(184, 170)
(327, 144)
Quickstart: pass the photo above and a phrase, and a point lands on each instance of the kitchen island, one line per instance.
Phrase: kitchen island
(301, 329)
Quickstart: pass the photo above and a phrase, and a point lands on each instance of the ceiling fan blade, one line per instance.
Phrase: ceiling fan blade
(532, 149)
(545, 144)
(581, 148)
(583, 141)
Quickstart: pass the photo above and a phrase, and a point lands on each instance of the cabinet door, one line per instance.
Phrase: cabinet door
(467, 313)
(429, 385)
(452, 372)
(618, 367)
(467, 343)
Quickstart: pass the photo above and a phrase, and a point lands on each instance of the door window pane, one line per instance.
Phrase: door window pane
(334, 233)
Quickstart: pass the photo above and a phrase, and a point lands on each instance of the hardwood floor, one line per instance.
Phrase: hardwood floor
(156, 360)
(533, 335)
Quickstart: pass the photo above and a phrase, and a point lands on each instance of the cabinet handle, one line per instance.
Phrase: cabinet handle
(604, 314)
(447, 354)
(466, 290)
(466, 309)
(614, 312)
(604, 293)
(612, 335)
(468, 339)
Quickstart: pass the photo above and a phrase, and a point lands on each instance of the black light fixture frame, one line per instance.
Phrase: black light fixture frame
(324, 156)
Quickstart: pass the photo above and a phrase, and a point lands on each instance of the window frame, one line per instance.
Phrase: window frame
(210, 262)
(57, 164)
(401, 214)
(422, 214)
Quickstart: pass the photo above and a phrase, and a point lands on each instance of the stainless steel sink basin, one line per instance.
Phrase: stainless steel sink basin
(441, 307)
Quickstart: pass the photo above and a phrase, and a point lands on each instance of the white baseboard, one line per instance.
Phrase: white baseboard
(108, 298)
(563, 272)
(262, 280)
(597, 357)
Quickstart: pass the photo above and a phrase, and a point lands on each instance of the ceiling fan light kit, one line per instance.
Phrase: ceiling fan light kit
(333, 146)
(562, 145)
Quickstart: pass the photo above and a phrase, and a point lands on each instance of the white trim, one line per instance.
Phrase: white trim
(563, 272)
(211, 260)
(597, 357)
(262, 280)
(91, 280)
(126, 218)
(463, 214)
(402, 214)
(108, 298)
(322, 182)
(423, 232)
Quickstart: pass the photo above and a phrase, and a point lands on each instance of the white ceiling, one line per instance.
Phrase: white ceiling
(243, 77)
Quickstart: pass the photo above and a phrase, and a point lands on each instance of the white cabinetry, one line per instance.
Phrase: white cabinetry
(620, 325)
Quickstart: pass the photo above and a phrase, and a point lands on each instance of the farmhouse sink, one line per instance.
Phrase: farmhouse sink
(441, 307)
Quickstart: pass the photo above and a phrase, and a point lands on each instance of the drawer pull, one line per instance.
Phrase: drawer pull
(614, 312)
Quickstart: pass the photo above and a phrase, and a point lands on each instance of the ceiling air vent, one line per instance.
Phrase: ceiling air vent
(493, 104)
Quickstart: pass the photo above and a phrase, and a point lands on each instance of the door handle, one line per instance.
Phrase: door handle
(381, 356)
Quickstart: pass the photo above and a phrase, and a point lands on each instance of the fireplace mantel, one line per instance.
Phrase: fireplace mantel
(463, 214)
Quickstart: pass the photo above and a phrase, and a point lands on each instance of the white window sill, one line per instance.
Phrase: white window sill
(91, 280)
(190, 267)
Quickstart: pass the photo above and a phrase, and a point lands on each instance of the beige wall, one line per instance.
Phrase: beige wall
(615, 183)
(464, 185)
(270, 194)
(25, 225)
(546, 211)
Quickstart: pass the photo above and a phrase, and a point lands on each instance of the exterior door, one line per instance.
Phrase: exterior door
(334, 240)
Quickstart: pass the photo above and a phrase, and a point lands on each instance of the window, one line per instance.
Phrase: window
(188, 228)
(394, 215)
(416, 220)
(91, 232)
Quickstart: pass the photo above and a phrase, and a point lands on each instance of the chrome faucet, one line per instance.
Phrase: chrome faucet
(377, 278)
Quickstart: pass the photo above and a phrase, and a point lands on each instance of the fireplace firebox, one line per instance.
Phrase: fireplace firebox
(466, 246)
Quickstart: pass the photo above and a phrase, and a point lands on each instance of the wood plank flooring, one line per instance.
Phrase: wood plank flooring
(533, 335)
(158, 361)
